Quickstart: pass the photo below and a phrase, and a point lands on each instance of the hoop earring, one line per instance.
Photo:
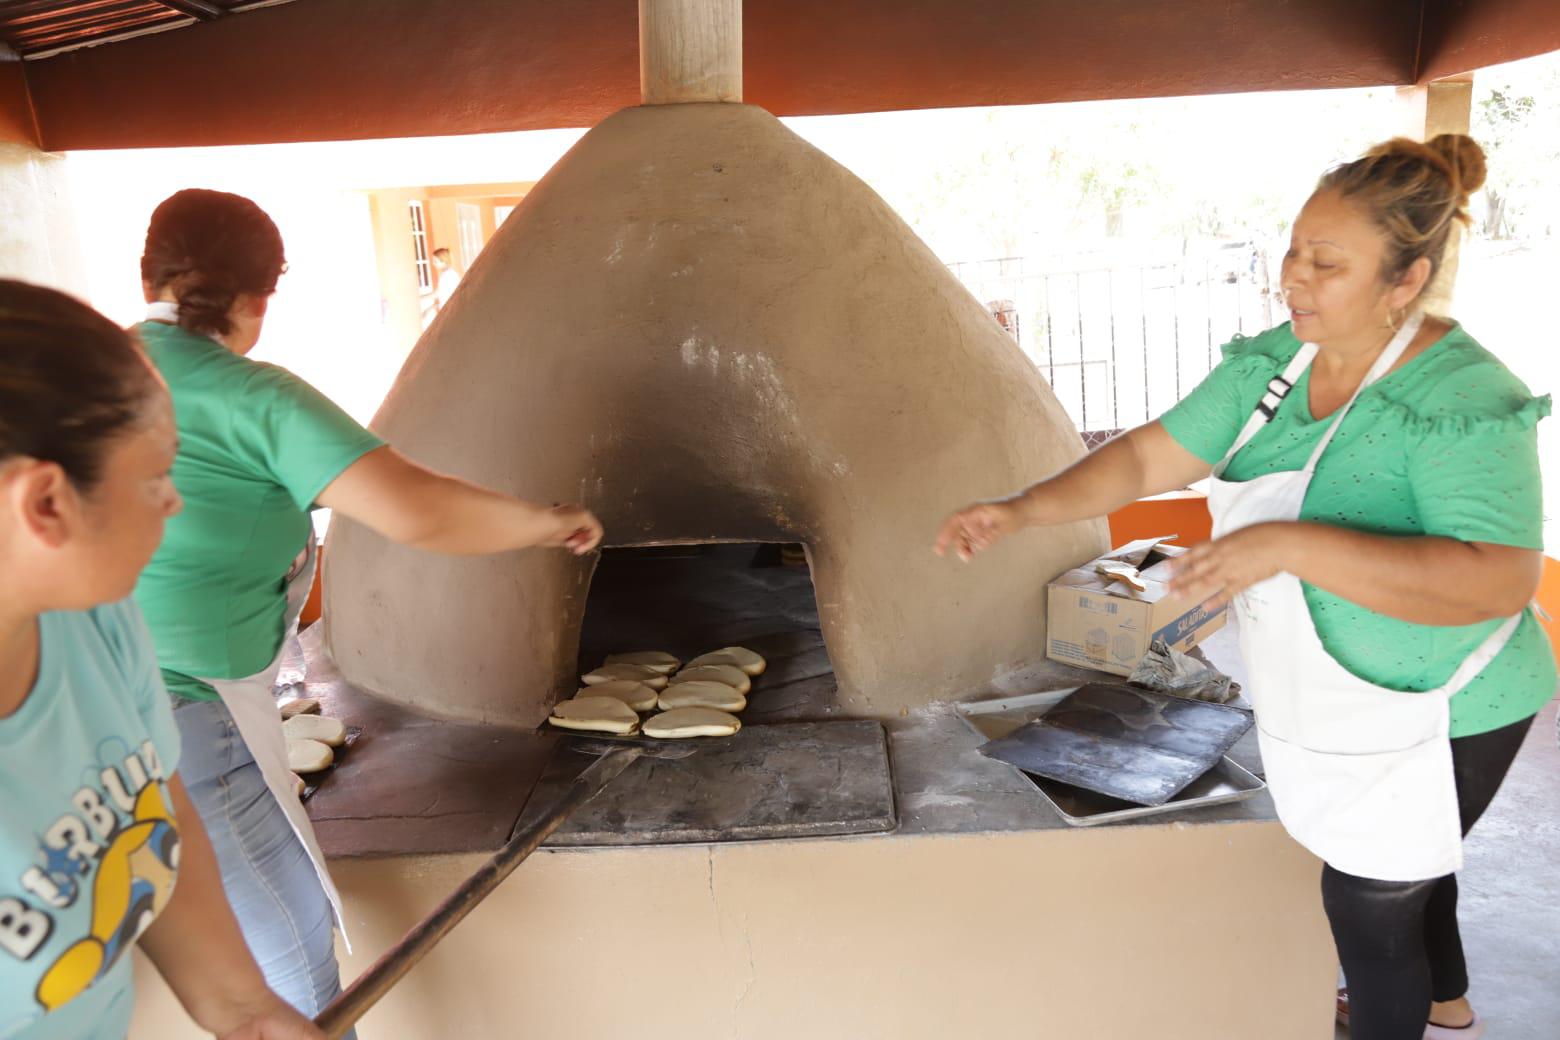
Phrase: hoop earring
(1395, 323)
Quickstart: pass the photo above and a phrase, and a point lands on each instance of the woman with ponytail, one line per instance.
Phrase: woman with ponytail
(100, 849)
(1378, 533)
(258, 449)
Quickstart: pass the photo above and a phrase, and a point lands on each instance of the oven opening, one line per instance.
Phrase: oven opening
(691, 599)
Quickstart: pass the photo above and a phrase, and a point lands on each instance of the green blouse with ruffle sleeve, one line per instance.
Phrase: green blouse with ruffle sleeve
(1446, 445)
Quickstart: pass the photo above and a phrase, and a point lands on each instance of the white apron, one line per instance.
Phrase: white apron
(1361, 775)
(254, 712)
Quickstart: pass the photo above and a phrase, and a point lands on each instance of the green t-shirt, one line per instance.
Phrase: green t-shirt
(1446, 445)
(256, 446)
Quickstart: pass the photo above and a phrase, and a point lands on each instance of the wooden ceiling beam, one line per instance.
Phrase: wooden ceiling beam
(353, 69)
(1461, 36)
(18, 123)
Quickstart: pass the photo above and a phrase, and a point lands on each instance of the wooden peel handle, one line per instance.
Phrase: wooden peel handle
(343, 1012)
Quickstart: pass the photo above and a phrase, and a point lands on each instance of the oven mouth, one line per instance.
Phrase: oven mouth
(691, 598)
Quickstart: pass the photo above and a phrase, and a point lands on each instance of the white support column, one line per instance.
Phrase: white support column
(690, 51)
(38, 234)
(38, 241)
(1441, 107)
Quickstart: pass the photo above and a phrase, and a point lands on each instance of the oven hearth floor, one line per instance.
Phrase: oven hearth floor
(413, 784)
(788, 780)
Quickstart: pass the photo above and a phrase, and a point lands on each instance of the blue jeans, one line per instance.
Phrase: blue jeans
(267, 875)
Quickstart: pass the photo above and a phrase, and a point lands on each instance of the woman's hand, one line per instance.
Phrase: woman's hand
(978, 527)
(277, 1022)
(1217, 571)
(197, 946)
(1139, 463)
(576, 529)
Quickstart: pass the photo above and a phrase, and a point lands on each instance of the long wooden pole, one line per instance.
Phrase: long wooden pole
(690, 51)
(343, 1012)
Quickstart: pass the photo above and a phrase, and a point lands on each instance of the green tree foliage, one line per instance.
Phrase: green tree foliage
(1516, 117)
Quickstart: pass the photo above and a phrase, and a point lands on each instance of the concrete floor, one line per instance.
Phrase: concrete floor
(1510, 897)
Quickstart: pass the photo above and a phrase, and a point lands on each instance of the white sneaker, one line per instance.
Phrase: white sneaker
(1472, 1031)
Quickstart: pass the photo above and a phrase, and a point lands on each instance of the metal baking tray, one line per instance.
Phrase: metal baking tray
(312, 781)
(1140, 745)
(1226, 782)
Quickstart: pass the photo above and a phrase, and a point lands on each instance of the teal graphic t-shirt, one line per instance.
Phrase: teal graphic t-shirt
(89, 848)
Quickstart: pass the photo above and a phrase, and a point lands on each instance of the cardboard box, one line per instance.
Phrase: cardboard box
(1095, 621)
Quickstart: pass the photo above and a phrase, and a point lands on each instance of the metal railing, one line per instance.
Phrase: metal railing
(1121, 342)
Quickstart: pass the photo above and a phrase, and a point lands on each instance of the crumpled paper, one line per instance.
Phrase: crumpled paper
(1169, 671)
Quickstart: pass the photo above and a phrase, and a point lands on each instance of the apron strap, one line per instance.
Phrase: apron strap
(1486, 652)
(1277, 389)
(1389, 357)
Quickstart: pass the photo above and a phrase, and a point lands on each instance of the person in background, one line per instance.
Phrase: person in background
(100, 848)
(447, 278)
(1377, 525)
(1006, 313)
(258, 450)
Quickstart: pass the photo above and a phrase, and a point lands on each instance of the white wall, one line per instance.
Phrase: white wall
(38, 240)
(326, 320)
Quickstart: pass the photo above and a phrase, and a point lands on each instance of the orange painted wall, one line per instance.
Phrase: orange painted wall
(401, 308)
(312, 607)
(491, 213)
(443, 222)
(1180, 513)
(1549, 599)
(443, 229)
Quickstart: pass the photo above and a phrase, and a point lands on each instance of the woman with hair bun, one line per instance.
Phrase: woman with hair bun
(258, 449)
(95, 823)
(1378, 532)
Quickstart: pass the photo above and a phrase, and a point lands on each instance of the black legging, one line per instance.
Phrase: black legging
(1398, 940)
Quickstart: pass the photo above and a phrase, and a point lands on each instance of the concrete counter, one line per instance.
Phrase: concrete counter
(983, 915)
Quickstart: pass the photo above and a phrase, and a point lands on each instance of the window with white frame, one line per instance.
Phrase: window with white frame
(420, 247)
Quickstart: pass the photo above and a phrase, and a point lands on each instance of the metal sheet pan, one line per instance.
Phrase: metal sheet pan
(1226, 782)
(312, 781)
(1135, 773)
(1132, 744)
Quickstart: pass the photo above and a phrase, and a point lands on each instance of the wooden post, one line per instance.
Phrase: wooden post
(689, 51)
(18, 121)
(1441, 107)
